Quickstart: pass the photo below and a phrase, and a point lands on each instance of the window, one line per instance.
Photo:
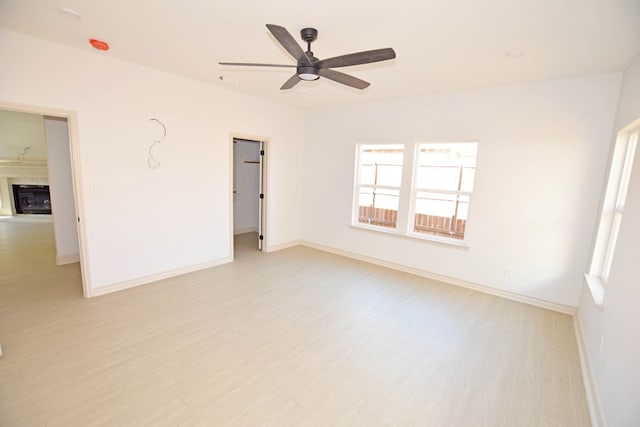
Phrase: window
(429, 200)
(443, 181)
(378, 184)
(612, 213)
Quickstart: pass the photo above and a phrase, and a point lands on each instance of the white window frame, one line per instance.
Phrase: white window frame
(407, 200)
(620, 168)
(358, 186)
(415, 190)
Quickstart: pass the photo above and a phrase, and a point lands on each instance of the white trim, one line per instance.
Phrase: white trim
(231, 213)
(449, 280)
(412, 236)
(266, 146)
(6, 162)
(67, 259)
(593, 399)
(284, 246)
(245, 230)
(596, 289)
(156, 277)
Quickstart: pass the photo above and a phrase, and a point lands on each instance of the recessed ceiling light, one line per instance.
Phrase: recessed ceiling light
(514, 54)
(70, 12)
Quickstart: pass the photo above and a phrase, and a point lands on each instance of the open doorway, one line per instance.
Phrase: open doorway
(37, 181)
(249, 171)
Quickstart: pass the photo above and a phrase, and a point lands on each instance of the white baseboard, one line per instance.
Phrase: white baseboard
(245, 230)
(283, 246)
(449, 280)
(593, 399)
(67, 259)
(104, 290)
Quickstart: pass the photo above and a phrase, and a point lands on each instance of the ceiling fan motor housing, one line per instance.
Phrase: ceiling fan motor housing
(309, 34)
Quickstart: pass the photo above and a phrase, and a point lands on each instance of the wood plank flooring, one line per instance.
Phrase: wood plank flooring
(297, 337)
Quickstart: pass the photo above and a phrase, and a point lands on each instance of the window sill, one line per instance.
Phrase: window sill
(596, 288)
(396, 233)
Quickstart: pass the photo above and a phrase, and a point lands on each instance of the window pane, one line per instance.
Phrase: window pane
(611, 247)
(441, 214)
(448, 167)
(378, 207)
(367, 173)
(381, 164)
(388, 175)
(468, 175)
(438, 177)
(626, 171)
(366, 197)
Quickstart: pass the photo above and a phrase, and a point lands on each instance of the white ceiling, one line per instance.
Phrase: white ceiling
(441, 45)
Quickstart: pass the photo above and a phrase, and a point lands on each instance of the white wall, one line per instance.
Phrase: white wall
(138, 221)
(20, 130)
(246, 180)
(61, 189)
(542, 152)
(615, 370)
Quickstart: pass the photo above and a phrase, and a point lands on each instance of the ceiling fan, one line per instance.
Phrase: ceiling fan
(311, 68)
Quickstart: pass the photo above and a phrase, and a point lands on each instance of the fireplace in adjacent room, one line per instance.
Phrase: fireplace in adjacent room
(32, 199)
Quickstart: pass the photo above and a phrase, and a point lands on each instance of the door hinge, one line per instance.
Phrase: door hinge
(261, 195)
(262, 152)
(261, 237)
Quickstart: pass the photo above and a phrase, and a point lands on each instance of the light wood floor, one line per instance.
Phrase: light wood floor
(292, 338)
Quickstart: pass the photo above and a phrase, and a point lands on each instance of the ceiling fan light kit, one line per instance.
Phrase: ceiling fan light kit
(310, 68)
(307, 73)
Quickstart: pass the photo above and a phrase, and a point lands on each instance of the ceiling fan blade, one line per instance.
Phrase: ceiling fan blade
(358, 58)
(250, 64)
(293, 80)
(286, 40)
(343, 78)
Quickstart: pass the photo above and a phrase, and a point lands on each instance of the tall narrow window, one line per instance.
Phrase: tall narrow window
(443, 182)
(618, 209)
(378, 182)
(612, 212)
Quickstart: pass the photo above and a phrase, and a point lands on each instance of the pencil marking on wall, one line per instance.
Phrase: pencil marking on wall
(21, 157)
(151, 161)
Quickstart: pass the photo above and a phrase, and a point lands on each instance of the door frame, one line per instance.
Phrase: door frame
(264, 210)
(76, 178)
